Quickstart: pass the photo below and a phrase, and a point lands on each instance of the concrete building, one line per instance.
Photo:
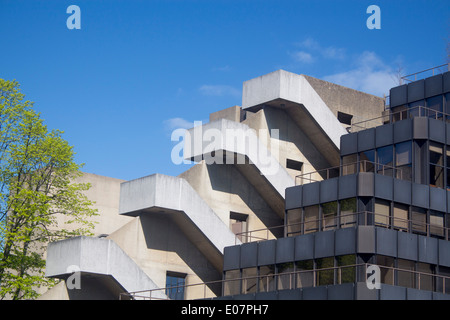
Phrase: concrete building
(293, 196)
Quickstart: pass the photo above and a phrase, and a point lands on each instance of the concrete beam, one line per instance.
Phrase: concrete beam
(174, 196)
(293, 93)
(97, 257)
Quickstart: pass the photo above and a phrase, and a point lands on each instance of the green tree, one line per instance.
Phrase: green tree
(40, 201)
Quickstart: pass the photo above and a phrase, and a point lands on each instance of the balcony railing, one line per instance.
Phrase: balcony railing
(345, 220)
(302, 279)
(426, 73)
(346, 169)
(397, 115)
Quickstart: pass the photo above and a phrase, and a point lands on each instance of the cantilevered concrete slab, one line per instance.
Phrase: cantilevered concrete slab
(228, 142)
(172, 195)
(97, 257)
(294, 94)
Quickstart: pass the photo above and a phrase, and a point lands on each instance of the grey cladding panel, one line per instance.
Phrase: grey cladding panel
(386, 242)
(402, 130)
(384, 135)
(416, 90)
(437, 130)
(266, 252)
(384, 187)
(232, 258)
(345, 241)
(446, 82)
(428, 249)
(433, 86)
(420, 195)
(402, 191)
(366, 239)
(398, 96)
(293, 197)
(324, 244)
(420, 130)
(304, 247)
(366, 139)
(310, 195)
(438, 199)
(407, 246)
(349, 143)
(347, 186)
(249, 254)
(366, 186)
(329, 190)
(444, 253)
(285, 250)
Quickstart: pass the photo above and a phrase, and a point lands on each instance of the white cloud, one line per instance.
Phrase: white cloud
(178, 123)
(219, 90)
(369, 74)
(310, 46)
(302, 56)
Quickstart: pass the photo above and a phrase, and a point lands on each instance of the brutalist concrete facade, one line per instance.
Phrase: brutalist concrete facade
(388, 206)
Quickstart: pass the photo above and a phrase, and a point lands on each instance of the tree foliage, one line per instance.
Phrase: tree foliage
(39, 199)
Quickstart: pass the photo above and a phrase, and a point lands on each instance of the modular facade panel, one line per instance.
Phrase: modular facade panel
(437, 130)
(266, 252)
(324, 244)
(389, 292)
(384, 188)
(366, 139)
(310, 194)
(402, 191)
(398, 96)
(285, 250)
(384, 135)
(293, 197)
(386, 242)
(416, 90)
(249, 254)
(403, 130)
(349, 143)
(420, 130)
(329, 190)
(366, 239)
(420, 195)
(304, 247)
(433, 86)
(347, 186)
(446, 82)
(233, 258)
(345, 291)
(345, 241)
(407, 246)
(427, 249)
(444, 253)
(438, 199)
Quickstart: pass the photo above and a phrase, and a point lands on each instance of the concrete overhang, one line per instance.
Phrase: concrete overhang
(100, 258)
(174, 196)
(229, 142)
(294, 94)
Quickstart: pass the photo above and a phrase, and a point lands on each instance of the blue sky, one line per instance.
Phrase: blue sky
(137, 70)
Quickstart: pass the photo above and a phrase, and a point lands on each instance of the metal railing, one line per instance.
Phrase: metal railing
(347, 169)
(405, 113)
(345, 220)
(435, 70)
(299, 279)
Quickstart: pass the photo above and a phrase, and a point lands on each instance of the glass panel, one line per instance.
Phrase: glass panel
(406, 278)
(443, 283)
(175, 287)
(232, 283)
(447, 106)
(267, 278)
(305, 273)
(249, 280)
(386, 265)
(311, 219)
(424, 278)
(400, 218)
(399, 113)
(436, 176)
(435, 104)
(346, 274)
(419, 220)
(436, 154)
(348, 210)
(349, 164)
(286, 279)
(416, 109)
(325, 277)
(385, 160)
(382, 212)
(403, 160)
(367, 161)
(329, 212)
(436, 223)
(293, 221)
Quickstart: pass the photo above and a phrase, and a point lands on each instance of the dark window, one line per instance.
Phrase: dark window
(436, 223)
(417, 108)
(325, 271)
(294, 222)
(345, 118)
(286, 278)
(434, 107)
(385, 158)
(249, 280)
(238, 225)
(305, 273)
(348, 212)
(232, 282)
(293, 164)
(346, 270)
(349, 164)
(400, 218)
(329, 215)
(419, 220)
(382, 213)
(267, 278)
(436, 152)
(403, 160)
(175, 285)
(367, 161)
